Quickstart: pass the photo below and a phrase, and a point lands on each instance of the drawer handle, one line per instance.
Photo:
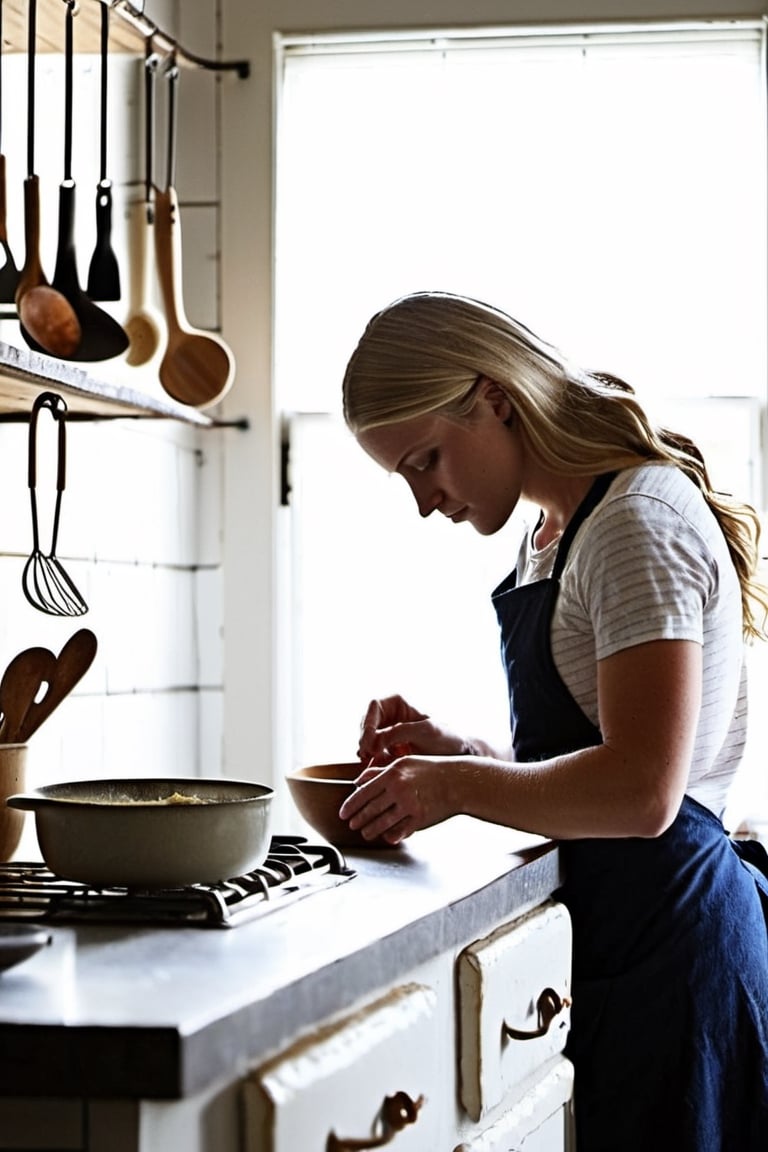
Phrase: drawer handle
(396, 1112)
(548, 1006)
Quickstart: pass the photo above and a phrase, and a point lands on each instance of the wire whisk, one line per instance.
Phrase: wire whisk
(47, 586)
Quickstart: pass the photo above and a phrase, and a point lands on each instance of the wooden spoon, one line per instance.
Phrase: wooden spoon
(47, 320)
(144, 326)
(22, 680)
(198, 368)
(73, 662)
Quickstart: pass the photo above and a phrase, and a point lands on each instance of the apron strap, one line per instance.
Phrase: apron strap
(588, 505)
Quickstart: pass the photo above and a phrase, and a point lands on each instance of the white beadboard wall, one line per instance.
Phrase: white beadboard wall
(140, 524)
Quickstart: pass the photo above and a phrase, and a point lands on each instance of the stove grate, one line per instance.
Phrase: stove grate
(293, 870)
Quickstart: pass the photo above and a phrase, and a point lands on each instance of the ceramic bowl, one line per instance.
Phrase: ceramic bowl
(318, 792)
(13, 767)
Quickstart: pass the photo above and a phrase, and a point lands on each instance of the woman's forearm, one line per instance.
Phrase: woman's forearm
(592, 793)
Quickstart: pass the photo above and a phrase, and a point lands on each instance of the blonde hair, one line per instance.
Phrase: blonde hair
(425, 353)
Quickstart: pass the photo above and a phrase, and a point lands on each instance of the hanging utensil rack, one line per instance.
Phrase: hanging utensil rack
(24, 372)
(168, 46)
(129, 30)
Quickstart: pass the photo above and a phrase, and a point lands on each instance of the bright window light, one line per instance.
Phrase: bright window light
(606, 187)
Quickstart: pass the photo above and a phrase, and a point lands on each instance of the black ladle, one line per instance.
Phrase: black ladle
(9, 273)
(104, 273)
(101, 335)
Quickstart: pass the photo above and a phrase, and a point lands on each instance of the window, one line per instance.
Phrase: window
(607, 187)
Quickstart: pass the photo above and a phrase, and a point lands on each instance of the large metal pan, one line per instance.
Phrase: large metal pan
(150, 833)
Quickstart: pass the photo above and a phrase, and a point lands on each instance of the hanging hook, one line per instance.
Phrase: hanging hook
(144, 25)
(151, 58)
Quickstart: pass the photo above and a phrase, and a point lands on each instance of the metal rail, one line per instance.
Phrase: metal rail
(164, 43)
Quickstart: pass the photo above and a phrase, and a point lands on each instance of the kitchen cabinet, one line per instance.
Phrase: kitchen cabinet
(273, 1034)
(369, 1078)
(68, 1126)
(514, 1013)
(442, 1042)
(541, 1120)
(514, 1005)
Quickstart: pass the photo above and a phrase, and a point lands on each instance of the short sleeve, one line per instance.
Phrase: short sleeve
(641, 572)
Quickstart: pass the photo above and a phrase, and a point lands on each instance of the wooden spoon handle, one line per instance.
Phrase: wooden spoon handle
(32, 273)
(168, 256)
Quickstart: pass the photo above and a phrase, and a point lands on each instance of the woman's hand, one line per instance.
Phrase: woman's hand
(413, 792)
(392, 727)
(631, 784)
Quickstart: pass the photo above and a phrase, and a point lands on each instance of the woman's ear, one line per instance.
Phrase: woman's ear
(500, 403)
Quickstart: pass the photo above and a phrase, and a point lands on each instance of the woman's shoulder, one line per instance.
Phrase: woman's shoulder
(656, 491)
(654, 514)
(655, 479)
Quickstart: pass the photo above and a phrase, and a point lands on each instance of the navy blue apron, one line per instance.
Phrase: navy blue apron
(669, 1027)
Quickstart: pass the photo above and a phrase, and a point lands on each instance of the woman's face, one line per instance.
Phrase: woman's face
(469, 469)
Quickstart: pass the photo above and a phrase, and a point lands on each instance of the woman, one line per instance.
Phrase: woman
(622, 629)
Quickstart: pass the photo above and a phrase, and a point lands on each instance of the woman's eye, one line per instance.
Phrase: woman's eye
(424, 463)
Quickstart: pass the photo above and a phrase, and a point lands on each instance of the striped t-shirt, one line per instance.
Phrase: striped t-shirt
(651, 563)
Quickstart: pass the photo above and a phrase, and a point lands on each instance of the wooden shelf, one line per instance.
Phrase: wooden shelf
(24, 374)
(123, 37)
(129, 30)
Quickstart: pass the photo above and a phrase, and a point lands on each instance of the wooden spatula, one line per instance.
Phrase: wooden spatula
(73, 662)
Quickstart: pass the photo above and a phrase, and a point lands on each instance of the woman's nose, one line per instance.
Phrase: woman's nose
(427, 500)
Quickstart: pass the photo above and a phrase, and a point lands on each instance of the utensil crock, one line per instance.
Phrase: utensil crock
(13, 774)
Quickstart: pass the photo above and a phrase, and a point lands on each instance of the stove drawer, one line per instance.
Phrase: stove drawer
(366, 1077)
(540, 1121)
(514, 1006)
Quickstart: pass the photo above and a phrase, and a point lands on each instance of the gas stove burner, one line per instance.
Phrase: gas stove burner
(293, 869)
